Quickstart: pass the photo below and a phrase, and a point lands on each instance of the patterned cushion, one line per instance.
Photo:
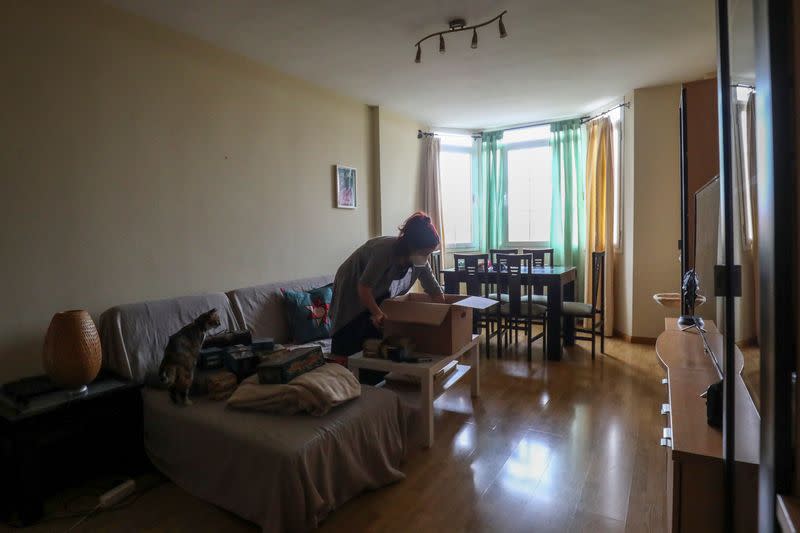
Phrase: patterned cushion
(577, 309)
(307, 313)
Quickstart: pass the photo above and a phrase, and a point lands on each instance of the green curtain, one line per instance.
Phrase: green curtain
(568, 214)
(479, 195)
(493, 176)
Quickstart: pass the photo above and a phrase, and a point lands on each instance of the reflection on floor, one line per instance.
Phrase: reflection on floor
(567, 446)
(751, 373)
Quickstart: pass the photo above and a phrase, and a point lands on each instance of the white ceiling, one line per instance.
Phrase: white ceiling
(561, 58)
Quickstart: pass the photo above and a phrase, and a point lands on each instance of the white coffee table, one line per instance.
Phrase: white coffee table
(425, 373)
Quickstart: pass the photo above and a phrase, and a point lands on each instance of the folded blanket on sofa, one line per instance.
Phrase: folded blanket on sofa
(314, 392)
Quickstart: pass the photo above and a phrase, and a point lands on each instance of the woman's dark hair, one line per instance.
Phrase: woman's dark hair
(416, 233)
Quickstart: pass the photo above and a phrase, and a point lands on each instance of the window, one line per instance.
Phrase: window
(455, 167)
(527, 160)
(746, 181)
(615, 116)
(528, 170)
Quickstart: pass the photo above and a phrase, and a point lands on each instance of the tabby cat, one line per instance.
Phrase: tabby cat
(180, 356)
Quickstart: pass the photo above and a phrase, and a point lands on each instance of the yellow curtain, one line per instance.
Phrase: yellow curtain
(431, 188)
(600, 210)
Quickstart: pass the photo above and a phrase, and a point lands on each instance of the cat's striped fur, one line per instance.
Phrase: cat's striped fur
(180, 356)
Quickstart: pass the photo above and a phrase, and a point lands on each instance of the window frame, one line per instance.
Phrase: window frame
(465, 246)
(507, 147)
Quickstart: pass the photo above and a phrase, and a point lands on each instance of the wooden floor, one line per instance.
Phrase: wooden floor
(567, 446)
(751, 373)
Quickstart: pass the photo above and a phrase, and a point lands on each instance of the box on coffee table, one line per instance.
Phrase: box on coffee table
(436, 328)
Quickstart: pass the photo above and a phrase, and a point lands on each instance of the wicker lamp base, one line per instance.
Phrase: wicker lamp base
(72, 354)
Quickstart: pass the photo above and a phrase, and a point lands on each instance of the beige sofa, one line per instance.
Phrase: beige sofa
(285, 473)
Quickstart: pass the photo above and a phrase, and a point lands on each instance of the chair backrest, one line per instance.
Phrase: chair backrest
(541, 256)
(468, 266)
(599, 280)
(511, 281)
(493, 256)
(436, 265)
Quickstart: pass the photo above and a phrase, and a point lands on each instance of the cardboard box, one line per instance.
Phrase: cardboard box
(436, 328)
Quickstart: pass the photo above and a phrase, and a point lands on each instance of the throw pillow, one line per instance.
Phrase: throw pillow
(307, 313)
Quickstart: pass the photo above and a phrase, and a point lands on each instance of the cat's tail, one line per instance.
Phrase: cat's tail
(167, 375)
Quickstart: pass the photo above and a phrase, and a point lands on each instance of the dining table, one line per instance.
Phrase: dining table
(560, 284)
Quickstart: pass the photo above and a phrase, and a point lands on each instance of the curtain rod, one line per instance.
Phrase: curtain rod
(744, 86)
(584, 119)
(526, 125)
(421, 134)
(626, 105)
(477, 134)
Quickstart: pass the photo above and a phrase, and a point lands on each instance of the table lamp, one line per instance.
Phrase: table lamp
(72, 355)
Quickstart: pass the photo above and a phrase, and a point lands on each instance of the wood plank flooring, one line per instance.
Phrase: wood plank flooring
(562, 446)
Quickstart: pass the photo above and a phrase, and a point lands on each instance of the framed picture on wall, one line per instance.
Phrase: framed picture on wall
(345, 187)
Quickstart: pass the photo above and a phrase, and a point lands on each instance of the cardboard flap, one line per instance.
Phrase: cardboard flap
(476, 302)
(431, 314)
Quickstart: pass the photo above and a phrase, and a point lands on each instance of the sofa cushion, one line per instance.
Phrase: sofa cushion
(134, 335)
(260, 308)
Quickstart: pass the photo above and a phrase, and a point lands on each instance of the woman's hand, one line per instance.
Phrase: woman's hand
(438, 298)
(378, 319)
(365, 295)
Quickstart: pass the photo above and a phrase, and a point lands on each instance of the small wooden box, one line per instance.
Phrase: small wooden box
(285, 365)
(211, 359)
(242, 361)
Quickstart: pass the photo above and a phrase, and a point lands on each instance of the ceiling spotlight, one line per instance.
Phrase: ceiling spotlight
(456, 25)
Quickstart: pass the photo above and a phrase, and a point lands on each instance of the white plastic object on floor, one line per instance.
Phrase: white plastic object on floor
(117, 494)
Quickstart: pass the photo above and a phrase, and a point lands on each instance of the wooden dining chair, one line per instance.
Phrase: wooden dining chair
(595, 312)
(499, 266)
(493, 253)
(436, 265)
(519, 313)
(468, 267)
(541, 256)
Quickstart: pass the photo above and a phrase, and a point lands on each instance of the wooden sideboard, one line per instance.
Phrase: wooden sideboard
(693, 448)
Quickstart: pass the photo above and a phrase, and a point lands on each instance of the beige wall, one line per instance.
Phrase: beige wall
(623, 269)
(656, 205)
(399, 167)
(140, 163)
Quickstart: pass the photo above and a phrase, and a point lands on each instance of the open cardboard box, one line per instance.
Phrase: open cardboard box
(436, 328)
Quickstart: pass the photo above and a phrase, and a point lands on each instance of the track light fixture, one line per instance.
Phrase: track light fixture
(457, 25)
